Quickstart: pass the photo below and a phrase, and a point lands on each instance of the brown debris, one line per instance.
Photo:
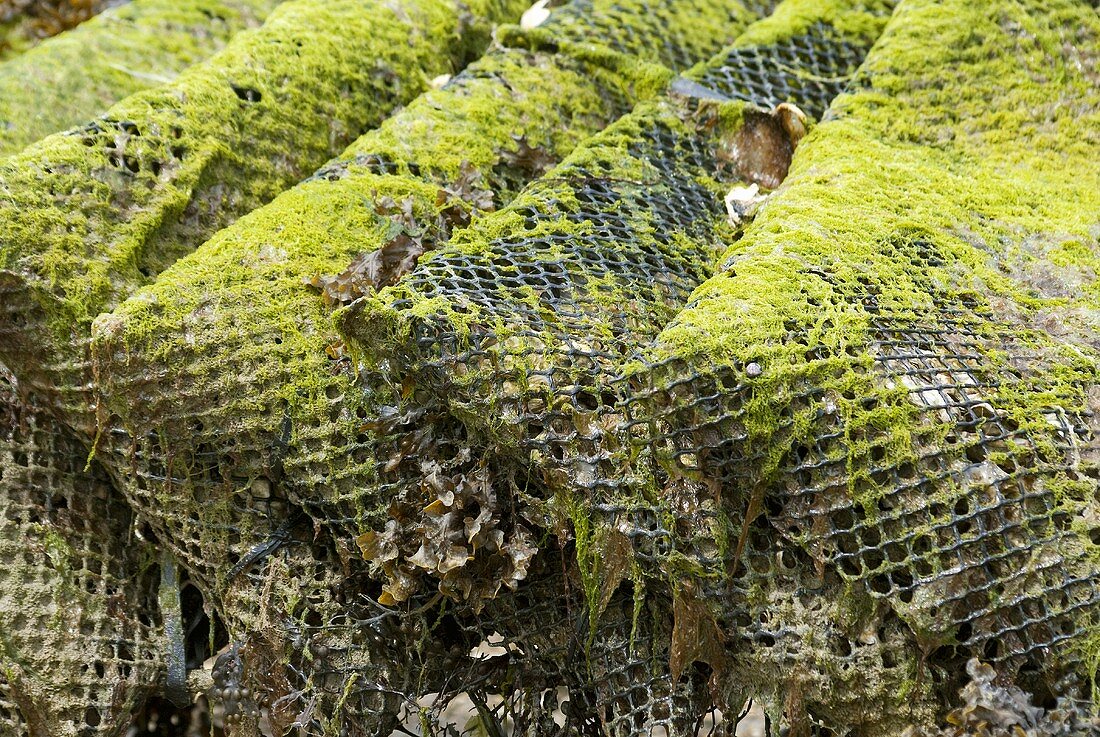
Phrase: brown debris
(762, 150)
(991, 710)
(531, 160)
(409, 238)
(51, 17)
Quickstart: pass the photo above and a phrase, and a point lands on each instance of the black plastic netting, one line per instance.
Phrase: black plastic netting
(81, 647)
(519, 323)
(627, 27)
(539, 305)
(640, 185)
(820, 63)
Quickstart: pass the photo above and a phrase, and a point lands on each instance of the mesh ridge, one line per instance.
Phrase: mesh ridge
(81, 649)
(96, 212)
(77, 75)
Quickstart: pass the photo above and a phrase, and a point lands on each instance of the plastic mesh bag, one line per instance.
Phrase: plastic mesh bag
(909, 399)
(228, 503)
(81, 73)
(868, 388)
(94, 213)
(82, 645)
(519, 323)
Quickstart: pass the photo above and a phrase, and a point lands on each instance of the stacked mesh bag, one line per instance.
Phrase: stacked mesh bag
(93, 213)
(113, 664)
(865, 453)
(68, 79)
(264, 408)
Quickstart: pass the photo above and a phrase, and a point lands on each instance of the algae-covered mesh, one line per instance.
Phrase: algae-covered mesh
(518, 324)
(657, 28)
(90, 215)
(819, 62)
(884, 377)
(245, 388)
(893, 375)
(911, 400)
(245, 417)
(74, 77)
(81, 649)
(628, 429)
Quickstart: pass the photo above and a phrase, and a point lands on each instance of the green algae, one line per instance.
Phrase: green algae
(79, 74)
(512, 328)
(690, 30)
(857, 22)
(92, 214)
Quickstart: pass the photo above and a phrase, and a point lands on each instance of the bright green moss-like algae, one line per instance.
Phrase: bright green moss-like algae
(90, 215)
(260, 377)
(518, 323)
(435, 313)
(77, 75)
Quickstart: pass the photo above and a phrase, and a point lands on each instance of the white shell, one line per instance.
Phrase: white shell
(535, 15)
